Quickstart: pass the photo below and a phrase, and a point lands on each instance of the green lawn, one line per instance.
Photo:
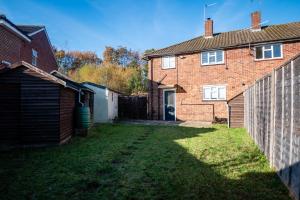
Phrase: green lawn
(143, 162)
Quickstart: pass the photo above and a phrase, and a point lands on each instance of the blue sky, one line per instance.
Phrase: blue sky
(139, 24)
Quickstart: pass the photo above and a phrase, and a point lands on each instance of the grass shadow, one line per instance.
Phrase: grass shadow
(144, 162)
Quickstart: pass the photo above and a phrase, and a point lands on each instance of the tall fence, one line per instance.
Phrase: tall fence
(132, 107)
(272, 117)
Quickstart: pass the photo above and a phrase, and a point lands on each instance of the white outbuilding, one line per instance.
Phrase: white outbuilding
(105, 103)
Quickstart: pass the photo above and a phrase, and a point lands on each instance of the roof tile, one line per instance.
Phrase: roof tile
(290, 31)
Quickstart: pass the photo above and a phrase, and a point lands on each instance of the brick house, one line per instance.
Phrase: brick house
(195, 79)
(28, 43)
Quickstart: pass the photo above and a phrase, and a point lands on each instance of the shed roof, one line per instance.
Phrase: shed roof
(100, 86)
(70, 82)
(231, 39)
(44, 74)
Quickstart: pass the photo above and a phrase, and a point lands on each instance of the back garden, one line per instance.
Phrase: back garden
(119, 161)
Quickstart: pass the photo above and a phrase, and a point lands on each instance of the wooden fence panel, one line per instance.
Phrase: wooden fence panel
(272, 118)
(132, 107)
(286, 124)
(278, 119)
(295, 151)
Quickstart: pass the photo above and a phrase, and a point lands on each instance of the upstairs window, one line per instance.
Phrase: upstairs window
(214, 92)
(269, 51)
(212, 57)
(34, 57)
(168, 62)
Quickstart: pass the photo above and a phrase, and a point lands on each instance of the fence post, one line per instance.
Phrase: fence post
(273, 116)
(282, 117)
(254, 112)
(292, 114)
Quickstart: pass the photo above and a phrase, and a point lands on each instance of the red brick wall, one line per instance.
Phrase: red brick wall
(10, 46)
(46, 60)
(13, 49)
(239, 68)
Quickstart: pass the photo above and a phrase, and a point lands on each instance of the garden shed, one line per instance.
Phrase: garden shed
(84, 97)
(36, 108)
(105, 103)
(84, 102)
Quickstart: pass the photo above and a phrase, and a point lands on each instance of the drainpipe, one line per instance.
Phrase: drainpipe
(158, 105)
(79, 93)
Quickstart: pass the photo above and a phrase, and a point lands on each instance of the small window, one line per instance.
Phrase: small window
(269, 51)
(168, 62)
(214, 92)
(212, 57)
(34, 57)
(277, 50)
(259, 54)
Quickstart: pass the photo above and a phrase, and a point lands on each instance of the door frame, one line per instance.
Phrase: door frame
(164, 90)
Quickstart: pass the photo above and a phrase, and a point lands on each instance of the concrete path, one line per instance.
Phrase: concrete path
(194, 124)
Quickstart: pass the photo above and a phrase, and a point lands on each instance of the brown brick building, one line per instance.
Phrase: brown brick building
(28, 43)
(194, 80)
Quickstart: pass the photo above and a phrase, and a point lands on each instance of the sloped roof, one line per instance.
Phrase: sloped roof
(70, 82)
(100, 86)
(27, 29)
(7, 23)
(281, 32)
(44, 74)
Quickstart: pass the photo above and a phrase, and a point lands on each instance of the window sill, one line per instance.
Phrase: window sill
(206, 100)
(168, 68)
(205, 65)
(267, 59)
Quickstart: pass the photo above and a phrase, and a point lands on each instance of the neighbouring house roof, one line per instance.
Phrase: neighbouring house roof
(70, 82)
(44, 74)
(100, 86)
(272, 33)
(29, 29)
(25, 31)
(12, 27)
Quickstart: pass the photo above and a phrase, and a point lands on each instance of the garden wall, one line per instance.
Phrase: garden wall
(272, 117)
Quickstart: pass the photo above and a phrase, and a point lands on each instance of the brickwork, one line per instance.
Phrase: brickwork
(255, 20)
(46, 59)
(10, 46)
(208, 27)
(13, 49)
(238, 72)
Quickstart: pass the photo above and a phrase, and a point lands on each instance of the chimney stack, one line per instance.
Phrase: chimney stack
(255, 21)
(208, 28)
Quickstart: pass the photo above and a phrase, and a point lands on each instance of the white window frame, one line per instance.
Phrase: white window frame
(214, 86)
(34, 57)
(169, 63)
(272, 50)
(215, 55)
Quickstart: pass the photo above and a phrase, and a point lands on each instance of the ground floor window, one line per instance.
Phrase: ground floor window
(214, 92)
